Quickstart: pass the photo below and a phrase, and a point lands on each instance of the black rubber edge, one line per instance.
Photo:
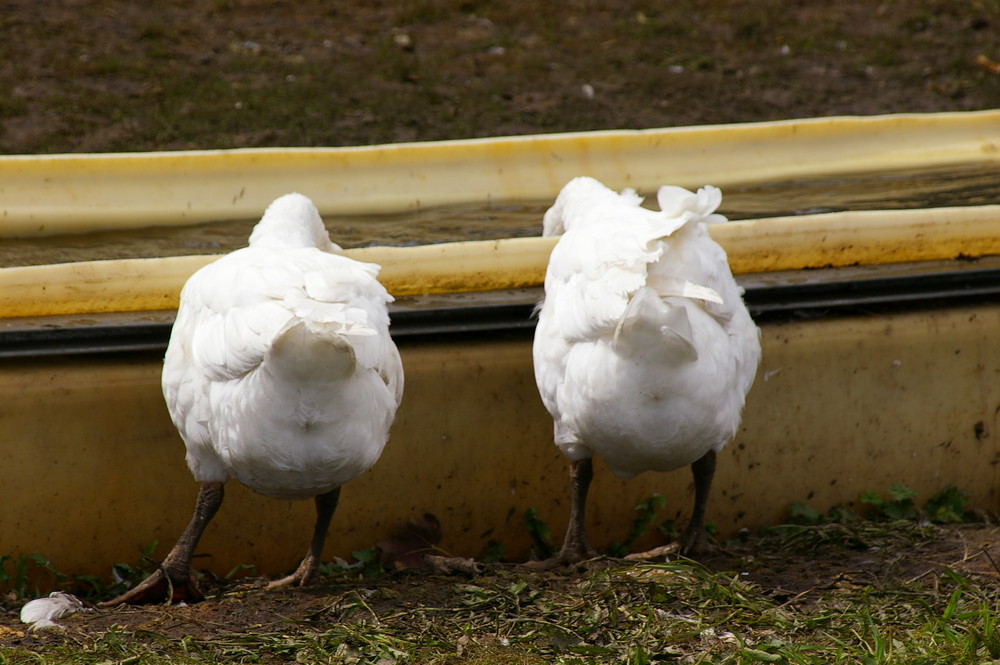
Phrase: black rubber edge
(766, 303)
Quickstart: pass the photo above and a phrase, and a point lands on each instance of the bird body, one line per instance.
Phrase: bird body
(644, 350)
(280, 372)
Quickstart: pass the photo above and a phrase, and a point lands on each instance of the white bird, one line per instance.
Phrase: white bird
(644, 351)
(41, 613)
(280, 373)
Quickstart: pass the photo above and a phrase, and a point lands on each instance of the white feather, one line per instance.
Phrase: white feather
(644, 351)
(41, 613)
(280, 371)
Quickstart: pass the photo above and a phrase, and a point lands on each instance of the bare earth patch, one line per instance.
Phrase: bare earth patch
(122, 76)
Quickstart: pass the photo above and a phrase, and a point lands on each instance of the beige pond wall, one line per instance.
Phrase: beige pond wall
(94, 470)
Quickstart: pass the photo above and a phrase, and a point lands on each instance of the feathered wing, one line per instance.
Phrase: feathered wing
(611, 249)
(245, 300)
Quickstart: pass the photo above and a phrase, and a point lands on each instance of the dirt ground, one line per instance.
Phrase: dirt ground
(83, 76)
(793, 575)
(119, 76)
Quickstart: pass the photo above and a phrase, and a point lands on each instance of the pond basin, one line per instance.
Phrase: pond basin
(873, 372)
(957, 185)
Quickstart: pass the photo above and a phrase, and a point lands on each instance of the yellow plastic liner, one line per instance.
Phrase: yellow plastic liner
(51, 194)
(861, 238)
(784, 243)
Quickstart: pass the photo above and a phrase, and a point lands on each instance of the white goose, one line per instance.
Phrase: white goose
(644, 351)
(280, 373)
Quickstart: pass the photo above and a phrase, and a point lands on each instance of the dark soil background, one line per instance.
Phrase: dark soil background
(79, 76)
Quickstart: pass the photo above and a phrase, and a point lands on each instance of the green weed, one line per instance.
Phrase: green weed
(543, 547)
(950, 505)
(371, 561)
(494, 552)
(899, 505)
(640, 524)
(22, 576)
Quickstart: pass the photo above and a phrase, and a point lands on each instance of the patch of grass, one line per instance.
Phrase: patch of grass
(871, 607)
(842, 526)
(675, 611)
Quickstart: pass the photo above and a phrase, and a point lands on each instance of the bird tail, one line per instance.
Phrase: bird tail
(679, 203)
(303, 353)
(650, 325)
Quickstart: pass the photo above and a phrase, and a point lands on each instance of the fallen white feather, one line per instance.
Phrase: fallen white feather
(41, 613)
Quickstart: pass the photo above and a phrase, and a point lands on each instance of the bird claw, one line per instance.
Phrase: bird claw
(158, 588)
(694, 543)
(448, 565)
(660, 552)
(306, 574)
(545, 564)
(567, 556)
(293, 580)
